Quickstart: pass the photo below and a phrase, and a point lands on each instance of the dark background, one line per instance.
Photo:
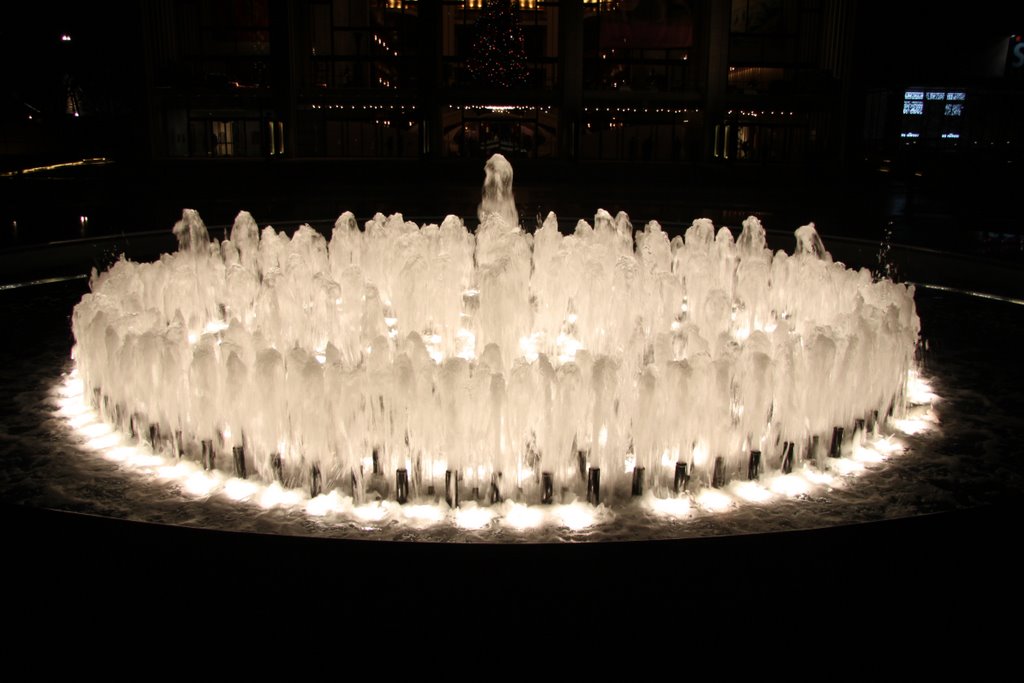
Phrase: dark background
(147, 88)
(842, 67)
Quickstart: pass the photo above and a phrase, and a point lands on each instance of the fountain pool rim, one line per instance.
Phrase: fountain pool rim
(68, 555)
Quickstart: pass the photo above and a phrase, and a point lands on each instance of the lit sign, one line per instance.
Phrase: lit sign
(1015, 53)
(950, 103)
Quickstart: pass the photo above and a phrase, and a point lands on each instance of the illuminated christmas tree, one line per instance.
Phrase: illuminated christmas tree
(499, 57)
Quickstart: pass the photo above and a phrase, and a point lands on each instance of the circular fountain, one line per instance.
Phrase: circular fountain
(494, 378)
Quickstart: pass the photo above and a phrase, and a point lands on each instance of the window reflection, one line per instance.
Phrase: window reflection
(639, 46)
(515, 131)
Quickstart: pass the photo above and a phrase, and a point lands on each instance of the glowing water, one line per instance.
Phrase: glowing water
(506, 362)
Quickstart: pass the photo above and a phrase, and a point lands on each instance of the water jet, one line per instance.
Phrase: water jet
(520, 362)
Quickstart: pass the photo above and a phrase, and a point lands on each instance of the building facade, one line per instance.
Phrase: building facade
(740, 82)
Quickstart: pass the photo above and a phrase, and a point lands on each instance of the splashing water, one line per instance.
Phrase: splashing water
(409, 362)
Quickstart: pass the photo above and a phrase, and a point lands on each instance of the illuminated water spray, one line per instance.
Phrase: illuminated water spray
(497, 369)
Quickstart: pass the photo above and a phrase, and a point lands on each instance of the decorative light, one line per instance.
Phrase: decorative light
(499, 53)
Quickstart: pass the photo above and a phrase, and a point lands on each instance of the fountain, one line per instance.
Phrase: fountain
(496, 372)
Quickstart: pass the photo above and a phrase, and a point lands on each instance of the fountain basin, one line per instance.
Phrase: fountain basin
(502, 364)
(626, 390)
(915, 530)
(121, 416)
(964, 479)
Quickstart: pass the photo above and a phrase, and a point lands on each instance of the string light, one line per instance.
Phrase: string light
(387, 48)
(522, 4)
(506, 108)
(365, 107)
(645, 110)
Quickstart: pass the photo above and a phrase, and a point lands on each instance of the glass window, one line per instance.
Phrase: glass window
(354, 131)
(754, 78)
(500, 44)
(776, 33)
(225, 134)
(630, 133)
(361, 44)
(223, 44)
(515, 131)
(639, 46)
(756, 16)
